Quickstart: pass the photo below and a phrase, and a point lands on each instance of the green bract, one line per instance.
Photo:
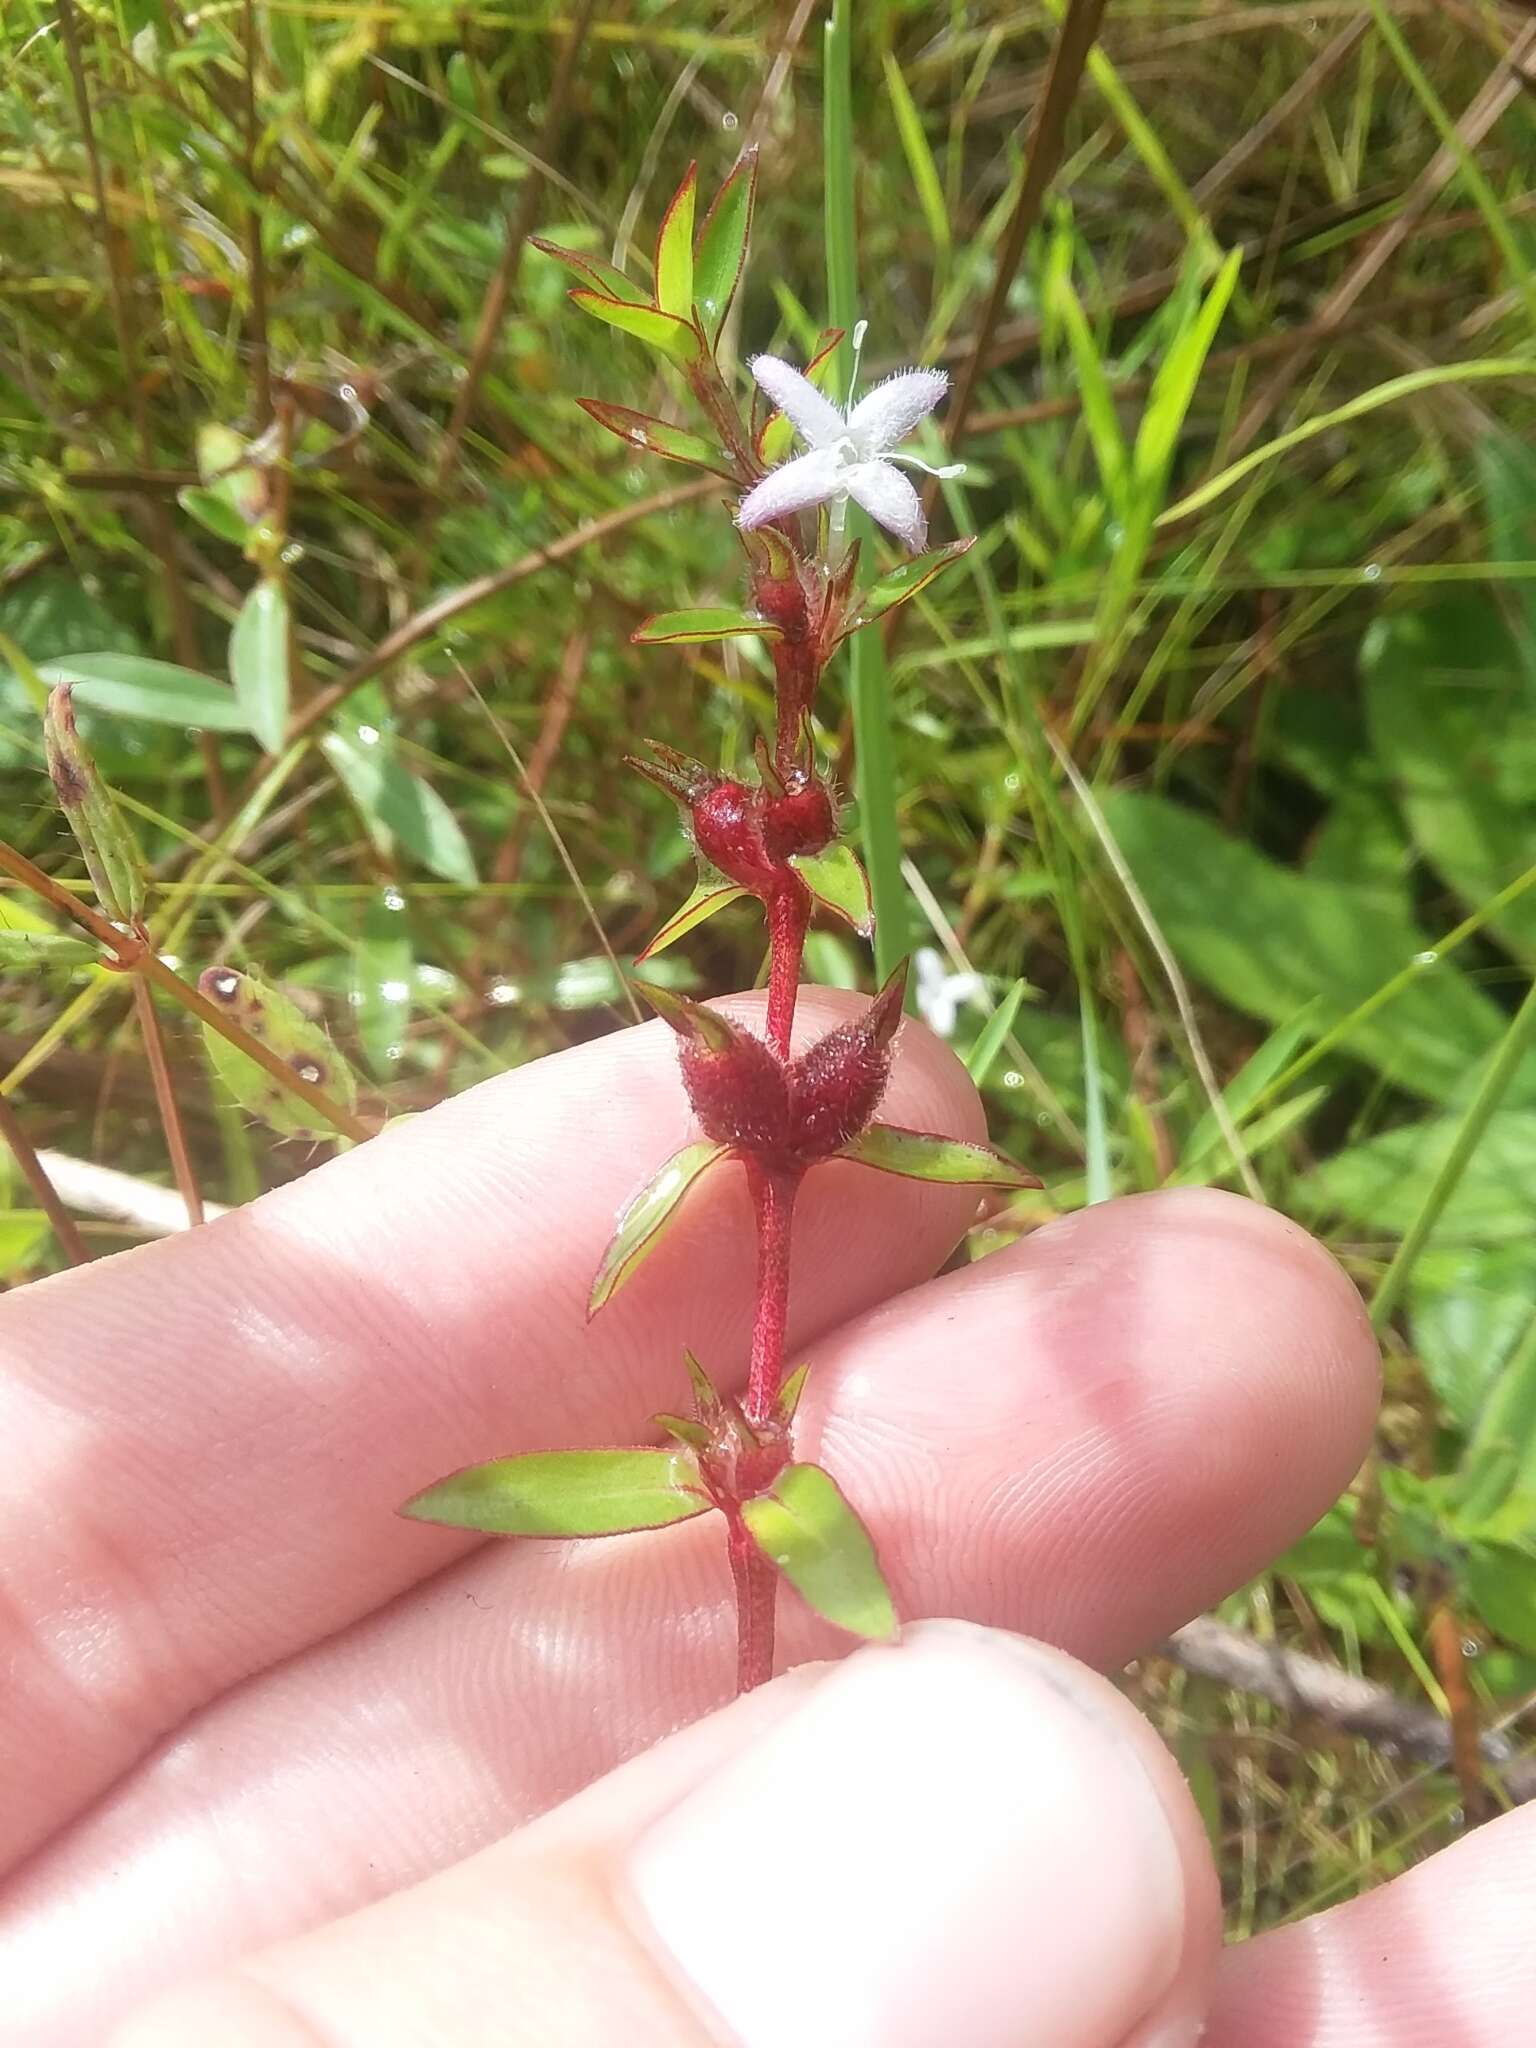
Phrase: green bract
(566, 1493)
(805, 1527)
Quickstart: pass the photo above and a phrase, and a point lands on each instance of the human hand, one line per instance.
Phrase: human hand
(245, 1702)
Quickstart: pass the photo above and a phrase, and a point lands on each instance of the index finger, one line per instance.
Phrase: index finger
(203, 1442)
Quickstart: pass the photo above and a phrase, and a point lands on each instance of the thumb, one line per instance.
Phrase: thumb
(967, 1838)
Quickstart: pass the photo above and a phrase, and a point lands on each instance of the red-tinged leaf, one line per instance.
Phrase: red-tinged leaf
(693, 1021)
(839, 884)
(770, 554)
(904, 583)
(790, 1392)
(684, 1429)
(775, 436)
(658, 437)
(805, 1527)
(601, 277)
(706, 899)
(706, 1395)
(566, 1493)
(722, 245)
(644, 1219)
(679, 339)
(703, 622)
(674, 249)
(924, 1155)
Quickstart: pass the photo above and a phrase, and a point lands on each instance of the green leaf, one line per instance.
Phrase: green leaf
(1174, 385)
(383, 974)
(676, 338)
(706, 899)
(1469, 1306)
(981, 1058)
(258, 662)
(1378, 1185)
(805, 1527)
(645, 1218)
(923, 1155)
(1250, 1081)
(1502, 1582)
(270, 1016)
(641, 430)
(134, 686)
(722, 245)
(674, 249)
(838, 882)
(44, 951)
(399, 805)
(1271, 941)
(108, 847)
(902, 583)
(703, 622)
(603, 278)
(925, 172)
(1099, 415)
(214, 510)
(566, 1493)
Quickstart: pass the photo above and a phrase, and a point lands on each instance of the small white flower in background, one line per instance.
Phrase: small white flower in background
(939, 993)
(851, 453)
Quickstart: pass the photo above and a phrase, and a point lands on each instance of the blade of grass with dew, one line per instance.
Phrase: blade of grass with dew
(869, 684)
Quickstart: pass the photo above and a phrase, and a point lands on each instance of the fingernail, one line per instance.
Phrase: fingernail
(953, 1840)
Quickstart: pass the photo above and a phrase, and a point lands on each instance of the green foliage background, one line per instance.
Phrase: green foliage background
(1238, 803)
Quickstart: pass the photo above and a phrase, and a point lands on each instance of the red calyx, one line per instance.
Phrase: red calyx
(739, 1095)
(836, 1087)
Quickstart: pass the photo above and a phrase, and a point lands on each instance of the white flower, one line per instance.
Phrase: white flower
(850, 453)
(939, 993)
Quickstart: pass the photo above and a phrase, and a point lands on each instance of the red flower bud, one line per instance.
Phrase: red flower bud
(836, 1087)
(736, 1084)
(728, 830)
(802, 820)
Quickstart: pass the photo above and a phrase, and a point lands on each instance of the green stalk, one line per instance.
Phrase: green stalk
(1491, 1090)
(868, 679)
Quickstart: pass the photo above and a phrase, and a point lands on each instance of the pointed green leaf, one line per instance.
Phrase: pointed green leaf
(722, 248)
(269, 1015)
(989, 1040)
(214, 510)
(258, 662)
(674, 249)
(45, 951)
(703, 622)
(923, 1155)
(805, 1527)
(706, 899)
(647, 1216)
(838, 882)
(135, 686)
(566, 1493)
(905, 582)
(684, 1429)
(790, 1392)
(660, 437)
(399, 805)
(601, 277)
(705, 1394)
(676, 338)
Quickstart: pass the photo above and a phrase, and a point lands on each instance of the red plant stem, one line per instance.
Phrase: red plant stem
(773, 1198)
(757, 1586)
(789, 913)
(63, 1224)
(166, 1103)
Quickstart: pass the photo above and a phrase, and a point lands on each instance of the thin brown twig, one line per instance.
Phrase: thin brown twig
(519, 228)
(61, 1222)
(1069, 56)
(431, 618)
(1499, 92)
(165, 1100)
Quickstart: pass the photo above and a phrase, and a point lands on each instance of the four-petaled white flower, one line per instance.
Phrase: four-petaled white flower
(850, 453)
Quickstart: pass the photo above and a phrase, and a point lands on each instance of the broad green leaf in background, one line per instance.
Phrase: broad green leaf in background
(383, 977)
(134, 686)
(1502, 1581)
(566, 1493)
(1271, 941)
(647, 1216)
(1507, 469)
(1469, 1306)
(1378, 1185)
(806, 1528)
(1453, 722)
(722, 245)
(399, 805)
(258, 662)
(922, 1155)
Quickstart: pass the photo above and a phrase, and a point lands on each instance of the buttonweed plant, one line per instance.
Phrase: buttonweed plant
(762, 1109)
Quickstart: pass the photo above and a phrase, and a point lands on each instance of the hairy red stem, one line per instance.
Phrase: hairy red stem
(757, 1587)
(773, 1198)
(789, 913)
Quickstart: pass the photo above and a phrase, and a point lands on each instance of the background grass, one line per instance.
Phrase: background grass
(1229, 810)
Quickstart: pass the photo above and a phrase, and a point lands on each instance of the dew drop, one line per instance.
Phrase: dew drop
(393, 900)
(310, 1071)
(1428, 958)
(369, 735)
(729, 122)
(1371, 573)
(395, 992)
(502, 993)
(1013, 1078)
